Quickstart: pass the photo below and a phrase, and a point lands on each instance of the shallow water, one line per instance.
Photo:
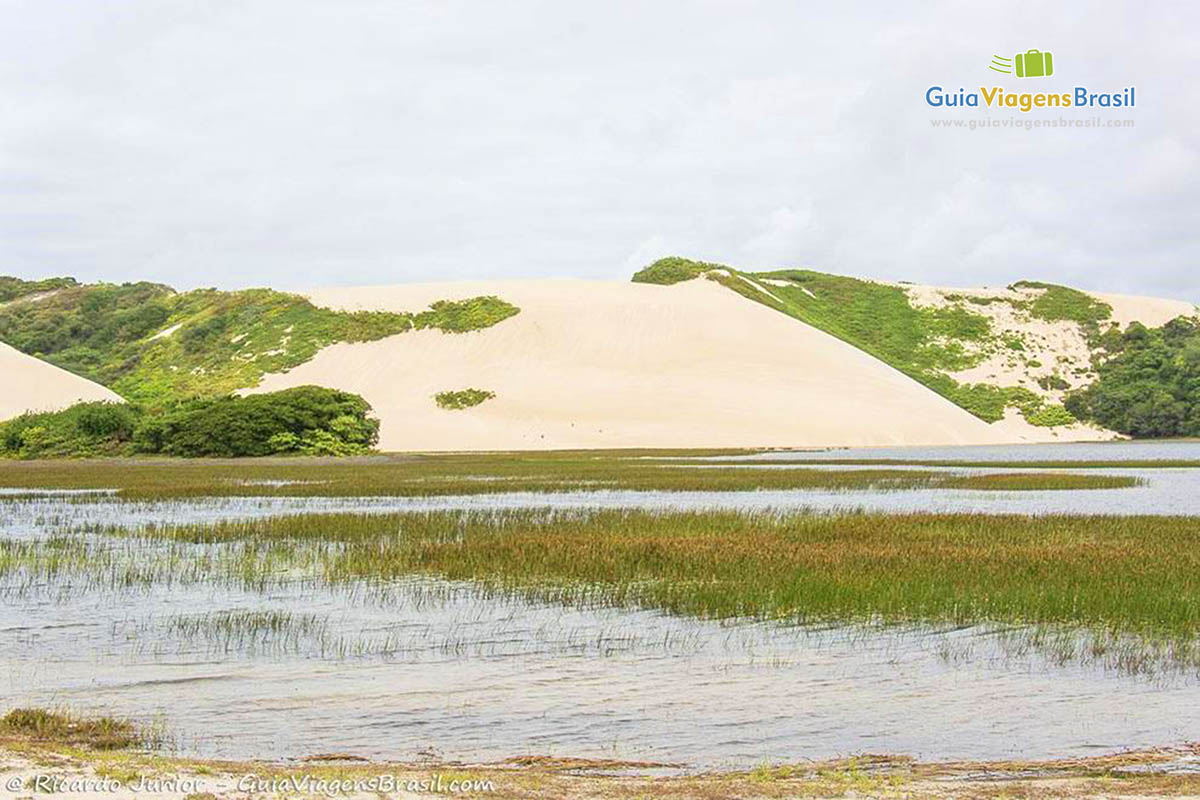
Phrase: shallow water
(439, 668)
(418, 667)
(1046, 451)
(1166, 491)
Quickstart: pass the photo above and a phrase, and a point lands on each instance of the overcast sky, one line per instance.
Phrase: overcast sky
(294, 143)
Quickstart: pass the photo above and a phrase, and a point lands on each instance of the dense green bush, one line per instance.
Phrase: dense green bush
(308, 420)
(1150, 383)
(85, 429)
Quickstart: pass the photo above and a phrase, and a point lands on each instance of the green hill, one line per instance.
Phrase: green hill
(155, 346)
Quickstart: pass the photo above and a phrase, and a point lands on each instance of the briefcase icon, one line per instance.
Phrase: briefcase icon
(1034, 64)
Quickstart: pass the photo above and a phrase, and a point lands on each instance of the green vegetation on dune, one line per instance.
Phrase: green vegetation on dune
(923, 343)
(673, 269)
(1057, 303)
(154, 346)
(465, 398)
(1149, 385)
(307, 420)
(15, 288)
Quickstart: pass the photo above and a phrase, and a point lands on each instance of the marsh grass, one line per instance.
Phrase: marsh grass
(1120, 591)
(1137, 575)
(485, 473)
(250, 629)
(882, 463)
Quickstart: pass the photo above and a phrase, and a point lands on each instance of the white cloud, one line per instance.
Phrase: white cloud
(786, 235)
(647, 252)
(300, 142)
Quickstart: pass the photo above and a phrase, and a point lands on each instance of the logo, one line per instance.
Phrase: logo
(1030, 64)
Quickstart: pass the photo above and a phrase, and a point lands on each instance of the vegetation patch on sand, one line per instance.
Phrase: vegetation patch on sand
(1057, 303)
(464, 398)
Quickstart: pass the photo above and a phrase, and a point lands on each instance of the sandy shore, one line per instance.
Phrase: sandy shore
(34, 385)
(608, 364)
(31, 770)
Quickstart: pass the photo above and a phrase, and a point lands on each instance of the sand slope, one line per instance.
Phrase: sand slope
(1153, 312)
(597, 364)
(28, 384)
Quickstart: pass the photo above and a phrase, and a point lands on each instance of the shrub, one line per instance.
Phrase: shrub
(465, 398)
(673, 269)
(85, 429)
(100, 420)
(309, 420)
(1014, 342)
(1050, 416)
(1049, 382)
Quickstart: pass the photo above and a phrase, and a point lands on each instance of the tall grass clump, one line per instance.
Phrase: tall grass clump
(62, 727)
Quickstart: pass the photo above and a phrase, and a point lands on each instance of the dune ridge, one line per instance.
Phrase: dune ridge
(604, 364)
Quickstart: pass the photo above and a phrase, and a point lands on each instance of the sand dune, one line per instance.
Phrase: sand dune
(594, 364)
(1153, 312)
(33, 385)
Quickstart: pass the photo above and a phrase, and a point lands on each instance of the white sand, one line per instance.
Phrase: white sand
(29, 384)
(594, 364)
(1153, 312)
(164, 333)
